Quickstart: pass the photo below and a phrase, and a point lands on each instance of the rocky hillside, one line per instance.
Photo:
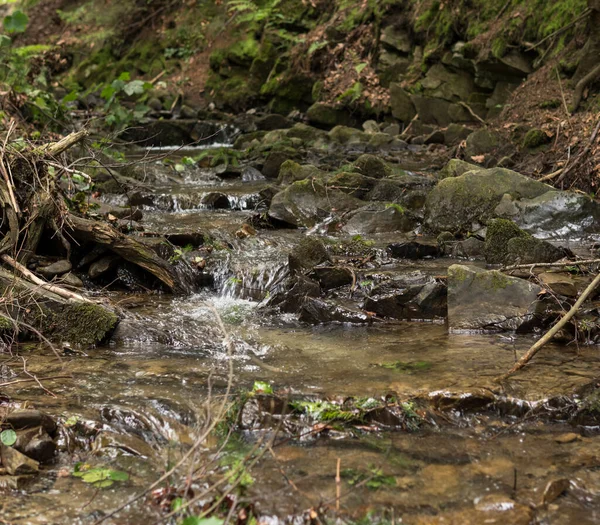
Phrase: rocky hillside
(438, 70)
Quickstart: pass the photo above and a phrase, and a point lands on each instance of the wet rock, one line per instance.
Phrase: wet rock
(490, 300)
(464, 401)
(70, 279)
(372, 166)
(564, 439)
(559, 283)
(456, 168)
(290, 296)
(321, 311)
(506, 243)
(456, 203)
(392, 129)
(274, 161)
(402, 106)
(456, 133)
(27, 419)
(16, 463)
(553, 213)
(481, 142)
(126, 443)
(471, 248)
(216, 200)
(554, 489)
(307, 134)
(291, 171)
(307, 202)
(324, 116)
(250, 174)
(57, 268)
(437, 137)
(371, 127)
(272, 122)
(309, 253)
(379, 218)
(36, 444)
(354, 184)
(413, 249)
(332, 277)
(411, 296)
(103, 265)
(347, 135)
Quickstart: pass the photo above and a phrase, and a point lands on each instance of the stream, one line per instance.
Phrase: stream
(140, 401)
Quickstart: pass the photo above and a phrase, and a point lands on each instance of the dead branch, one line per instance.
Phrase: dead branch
(56, 148)
(582, 84)
(552, 332)
(128, 248)
(472, 113)
(548, 265)
(61, 292)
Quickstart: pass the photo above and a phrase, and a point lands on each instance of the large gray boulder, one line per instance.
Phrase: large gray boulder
(481, 299)
(379, 218)
(456, 203)
(307, 202)
(554, 214)
(402, 106)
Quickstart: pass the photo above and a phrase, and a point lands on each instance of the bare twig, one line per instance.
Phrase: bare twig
(585, 13)
(63, 144)
(472, 113)
(553, 331)
(549, 265)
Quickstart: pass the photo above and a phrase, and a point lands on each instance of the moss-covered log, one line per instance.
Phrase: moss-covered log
(27, 308)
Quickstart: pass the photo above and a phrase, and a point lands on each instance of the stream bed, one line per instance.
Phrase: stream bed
(139, 402)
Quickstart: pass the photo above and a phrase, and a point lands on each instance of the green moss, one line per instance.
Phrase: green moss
(84, 324)
(535, 138)
(6, 324)
(499, 46)
(499, 232)
(457, 273)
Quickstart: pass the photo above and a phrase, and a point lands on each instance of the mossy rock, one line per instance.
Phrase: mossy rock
(307, 134)
(506, 243)
(327, 117)
(309, 201)
(535, 138)
(372, 166)
(456, 203)
(307, 254)
(481, 142)
(354, 184)
(346, 135)
(291, 172)
(456, 168)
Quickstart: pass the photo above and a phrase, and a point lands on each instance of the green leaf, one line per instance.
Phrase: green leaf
(5, 41)
(71, 97)
(108, 92)
(261, 387)
(71, 422)
(125, 76)
(15, 23)
(118, 475)
(360, 67)
(8, 437)
(176, 504)
(135, 87)
(195, 520)
(179, 168)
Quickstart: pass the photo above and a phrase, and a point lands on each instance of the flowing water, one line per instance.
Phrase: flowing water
(139, 402)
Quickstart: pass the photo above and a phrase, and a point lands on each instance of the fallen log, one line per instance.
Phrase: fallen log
(128, 248)
(28, 306)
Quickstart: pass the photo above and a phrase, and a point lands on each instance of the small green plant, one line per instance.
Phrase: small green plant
(395, 206)
(8, 437)
(180, 252)
(118, 114)
(373, 478)
(407, 367)
(100, 477)
(262, 387)
(324, 411)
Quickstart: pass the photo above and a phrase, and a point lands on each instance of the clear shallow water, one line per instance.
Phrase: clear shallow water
(141, 401)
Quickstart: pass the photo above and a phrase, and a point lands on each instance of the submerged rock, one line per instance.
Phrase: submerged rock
(456, 203)
(323, 311)
(16, 463)
(331, 277)
(309, 253)
(490, 300)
